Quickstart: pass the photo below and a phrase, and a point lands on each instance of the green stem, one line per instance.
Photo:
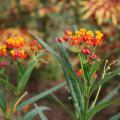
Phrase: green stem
(86, 107)
(17, 99)
(84, 78)
(98, 92)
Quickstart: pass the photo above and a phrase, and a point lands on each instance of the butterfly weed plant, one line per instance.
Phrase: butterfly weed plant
(18, 58)
(86, 82)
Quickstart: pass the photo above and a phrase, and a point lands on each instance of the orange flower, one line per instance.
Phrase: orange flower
(95, 75)
(35, 45)
(15, 47)
(83, 36)
(3, 50)
(84, 41)
(68, 33)
(15, 42)
(79, 73)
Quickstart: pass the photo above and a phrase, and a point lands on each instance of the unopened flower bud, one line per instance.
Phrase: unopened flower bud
(60, 39)
(86, 51)
(65, 38)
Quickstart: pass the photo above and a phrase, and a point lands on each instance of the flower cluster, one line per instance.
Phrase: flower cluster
(15, 42)
(3, 51)
(35, 46)
(85, 42)
(15, 47)
(83, 36)
(102, 10)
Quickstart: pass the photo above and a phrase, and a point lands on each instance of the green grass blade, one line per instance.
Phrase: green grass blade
(40, 96)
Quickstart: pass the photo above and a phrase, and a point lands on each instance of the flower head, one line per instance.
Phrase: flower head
(83, 41)
(15, 42)
(83, 36)
(15, 47)
(3, 50)
(102, 10)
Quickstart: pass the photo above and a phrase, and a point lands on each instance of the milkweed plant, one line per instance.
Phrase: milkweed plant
(18, 58)
(93, 73)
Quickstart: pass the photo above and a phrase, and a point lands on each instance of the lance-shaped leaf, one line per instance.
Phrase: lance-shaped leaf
(25, 76)
(99, 107)
(61, 60)
(107, 78)
(30, 115)
(40, 96)
(2, 101)
(110, 95)
(40, 113)
(73, 84)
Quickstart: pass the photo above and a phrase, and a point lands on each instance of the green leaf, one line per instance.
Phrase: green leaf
(63, 62)
(110, 95)
(30, 115)
(85, 69)
(79, 88)
(40, 96)
(116, 117)
(76, 99)
(99, 107)
(73, 84)
(107, 78)
(2, 70)
(2, 101)
(93, 70)
(40, 113)
(25, 77)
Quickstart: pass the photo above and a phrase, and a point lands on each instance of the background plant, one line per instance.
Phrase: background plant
(18, 58)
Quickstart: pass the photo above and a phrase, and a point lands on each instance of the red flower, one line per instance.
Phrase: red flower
(95, 75)
(79, 73)
(65, 38)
